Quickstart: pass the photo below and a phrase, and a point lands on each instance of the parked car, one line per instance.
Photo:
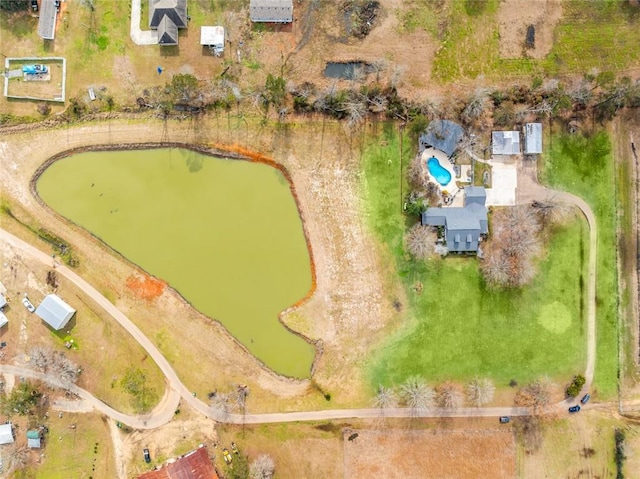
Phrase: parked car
(585, 398)
(34, 5)
(574, 409)
(147, 456)
(504, 419)
(28, 305)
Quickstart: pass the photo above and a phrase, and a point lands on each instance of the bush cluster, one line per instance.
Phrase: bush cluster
(576, 386)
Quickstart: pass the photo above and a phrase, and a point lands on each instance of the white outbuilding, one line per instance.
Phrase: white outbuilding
(6, 433)
(55, 312)
(213, 37)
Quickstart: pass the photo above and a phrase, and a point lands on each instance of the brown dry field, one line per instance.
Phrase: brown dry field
(440, 454)
(347, 315)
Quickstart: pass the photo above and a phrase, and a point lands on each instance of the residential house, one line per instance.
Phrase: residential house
(167, 16)
(271, 11)
(464, 227)
(193, 465)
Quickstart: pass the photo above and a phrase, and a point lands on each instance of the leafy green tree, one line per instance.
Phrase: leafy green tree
(274, 90)
(22, 400)
(184, 89)
(14, 5)
(134, 383)
(240, 467)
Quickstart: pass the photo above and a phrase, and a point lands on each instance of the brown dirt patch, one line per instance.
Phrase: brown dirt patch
(146, 287)
(426, 454)
(514, 16)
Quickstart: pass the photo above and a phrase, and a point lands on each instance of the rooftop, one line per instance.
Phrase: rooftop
(47, 19)
(532, 138)
(271, 11)
(55, 312)
(193, 465)
(505, 142)
(6, 433)
(443, 135)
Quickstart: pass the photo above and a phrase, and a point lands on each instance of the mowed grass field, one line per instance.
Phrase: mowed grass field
(457, 328)
(84, 451)
(584, 165)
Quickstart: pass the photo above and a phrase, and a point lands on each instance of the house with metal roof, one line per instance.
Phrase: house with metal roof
(47, 19)
(33, 439)
(532, 138)
(443, 135)
(6, 433)
(167, 16)
(271, 11)
(3, 301)
(55, 312)
(505, 142)
(193, 465)
(464, 226)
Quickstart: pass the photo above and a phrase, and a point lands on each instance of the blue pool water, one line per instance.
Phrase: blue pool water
(441, 175)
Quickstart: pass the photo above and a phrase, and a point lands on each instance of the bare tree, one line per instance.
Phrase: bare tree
(385, 398)
(15, 459)
(262, 467)
(221, 405)
(449, 396)
(417, 395)
(420, 241)
(535, 395)
(480, 391)
(508, 256)
(550, 211)
(54, 363)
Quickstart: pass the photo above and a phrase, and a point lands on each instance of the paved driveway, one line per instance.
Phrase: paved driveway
(504, 183)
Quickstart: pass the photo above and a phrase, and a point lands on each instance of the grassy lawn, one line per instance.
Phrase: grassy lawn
(602, 35)
(457, 328)
(81, 452)
(584, 166)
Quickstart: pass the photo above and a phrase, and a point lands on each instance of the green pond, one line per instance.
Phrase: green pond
(225, 233)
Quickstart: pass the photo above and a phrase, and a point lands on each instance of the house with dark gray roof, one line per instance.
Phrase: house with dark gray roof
(532, 138)
(55, 312)
(464, 226)
(443, 135)
(271, 11)
(167, 16)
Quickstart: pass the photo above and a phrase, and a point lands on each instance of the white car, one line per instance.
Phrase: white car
(28, 305)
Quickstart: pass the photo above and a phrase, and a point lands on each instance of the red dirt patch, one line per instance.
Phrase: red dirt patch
(147, 288)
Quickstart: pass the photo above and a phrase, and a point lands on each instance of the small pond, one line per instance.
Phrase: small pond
(346, 70)
(225, 233)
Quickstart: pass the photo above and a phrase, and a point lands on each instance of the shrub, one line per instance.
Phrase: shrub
(576, 385)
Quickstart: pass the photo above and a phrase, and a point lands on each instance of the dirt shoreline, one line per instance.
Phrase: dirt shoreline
(218, 152)
(344, 309)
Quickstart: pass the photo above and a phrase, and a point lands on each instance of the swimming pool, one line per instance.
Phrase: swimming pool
(441, 174)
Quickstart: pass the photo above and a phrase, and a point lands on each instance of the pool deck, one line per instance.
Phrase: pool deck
(442, 158)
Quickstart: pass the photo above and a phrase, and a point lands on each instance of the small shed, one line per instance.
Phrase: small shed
(47, 19)
(6, 433)
(55, 312)
(271, 11)
(33, 439)
(505, 142)
(532, 138)
(213, 37)
(3, 301)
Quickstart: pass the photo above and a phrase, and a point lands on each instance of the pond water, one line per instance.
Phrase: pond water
(346, 70)
(225, 233)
